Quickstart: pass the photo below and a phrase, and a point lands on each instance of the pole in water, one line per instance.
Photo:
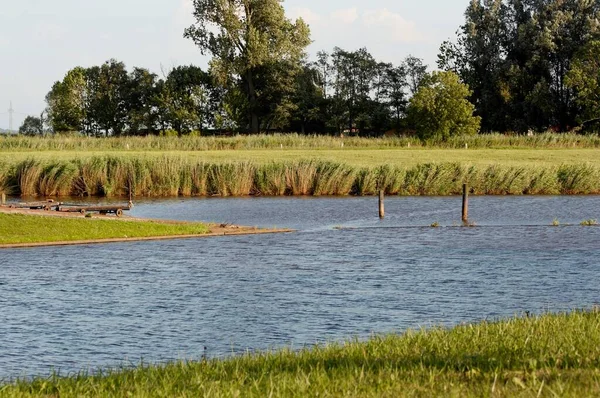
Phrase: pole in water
(381, 204)
(465, 206)
(3, 198)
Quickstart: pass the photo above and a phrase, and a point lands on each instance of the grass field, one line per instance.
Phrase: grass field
(539, 356)
(402, 157)
(290, 141)
(19, 228)
(298, 165)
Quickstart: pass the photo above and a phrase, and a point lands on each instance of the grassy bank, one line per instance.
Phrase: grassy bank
(545, 356)
(288, 141)
(173, 175)
(20, 228)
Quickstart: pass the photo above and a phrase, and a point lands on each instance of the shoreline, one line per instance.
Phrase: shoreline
(215, 230)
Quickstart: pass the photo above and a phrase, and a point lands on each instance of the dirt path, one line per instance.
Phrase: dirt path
(214, 229)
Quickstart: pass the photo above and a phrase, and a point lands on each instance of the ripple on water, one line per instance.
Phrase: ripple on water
(72, 308)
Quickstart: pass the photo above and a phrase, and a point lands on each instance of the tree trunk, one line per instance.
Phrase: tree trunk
(254, 125)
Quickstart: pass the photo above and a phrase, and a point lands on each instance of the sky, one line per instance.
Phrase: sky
(40, 40)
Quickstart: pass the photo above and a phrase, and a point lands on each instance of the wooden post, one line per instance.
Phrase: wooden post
(465, 206)
(3, 198)
(381, 204)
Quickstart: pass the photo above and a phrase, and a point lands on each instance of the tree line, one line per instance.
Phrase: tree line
(531, 64)
(515, 65)
(341, 91)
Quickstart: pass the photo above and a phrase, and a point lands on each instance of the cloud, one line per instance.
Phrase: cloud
(308, 15)
(399, 29)
(374, 25)
(346, 16)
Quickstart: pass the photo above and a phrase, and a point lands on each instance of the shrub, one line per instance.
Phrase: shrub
(440, 109)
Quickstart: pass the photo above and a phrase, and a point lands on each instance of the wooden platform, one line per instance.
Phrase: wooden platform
(84, 209)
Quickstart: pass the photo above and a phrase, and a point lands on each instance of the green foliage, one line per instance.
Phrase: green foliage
(32, 126)
(584, 77)
(254, 46)
(541, 356)
(440, 108)
(515, 56)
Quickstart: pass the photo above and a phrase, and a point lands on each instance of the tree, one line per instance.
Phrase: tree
(515, 55)
(415, 71)
(67, 102)
(308, 96)
(440, 108)
(186, 99)
(142, 102)
(108, 106)
(32, 126)
(355, 75)
(584, 78)
(245, 37)
(394, 83)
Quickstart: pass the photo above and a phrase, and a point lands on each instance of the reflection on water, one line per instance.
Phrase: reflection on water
(71, 308)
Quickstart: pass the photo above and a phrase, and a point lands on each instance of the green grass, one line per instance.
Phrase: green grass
(19, 228)
(540, 356)
(353, 157)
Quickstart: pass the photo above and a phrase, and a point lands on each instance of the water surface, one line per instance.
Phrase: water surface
(85, 307)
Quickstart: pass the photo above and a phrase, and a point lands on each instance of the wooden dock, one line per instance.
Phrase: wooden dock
(41, 205)
(102, 209)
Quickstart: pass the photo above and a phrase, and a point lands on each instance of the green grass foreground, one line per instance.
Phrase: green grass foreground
(20, 228)
(541, 356)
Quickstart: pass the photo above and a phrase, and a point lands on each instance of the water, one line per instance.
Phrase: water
(97, 306)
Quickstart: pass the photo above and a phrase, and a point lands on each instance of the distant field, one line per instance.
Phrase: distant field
(354, 157)
(291, 141)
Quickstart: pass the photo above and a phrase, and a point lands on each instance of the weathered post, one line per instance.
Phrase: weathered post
(3, 198)
(465, 205)
(381, 204)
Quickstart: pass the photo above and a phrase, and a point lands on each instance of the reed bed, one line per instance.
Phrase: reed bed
(288, 141)
(171, 176)
(531, 356)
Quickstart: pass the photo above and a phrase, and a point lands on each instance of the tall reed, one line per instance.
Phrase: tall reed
(169, 176)
(27, 175)
(5, 178)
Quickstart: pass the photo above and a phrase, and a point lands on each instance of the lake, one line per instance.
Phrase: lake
(344, 274)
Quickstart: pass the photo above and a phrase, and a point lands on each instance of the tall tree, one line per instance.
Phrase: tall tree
(66, 102)
(584, 78)
(355, 75)
(393, 92)
(186, 101)
(415, 71)
(142, 102)
(244, 36)
(109, 96)
(515, 56)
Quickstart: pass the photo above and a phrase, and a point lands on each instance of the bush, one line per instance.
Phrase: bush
(440, 109)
